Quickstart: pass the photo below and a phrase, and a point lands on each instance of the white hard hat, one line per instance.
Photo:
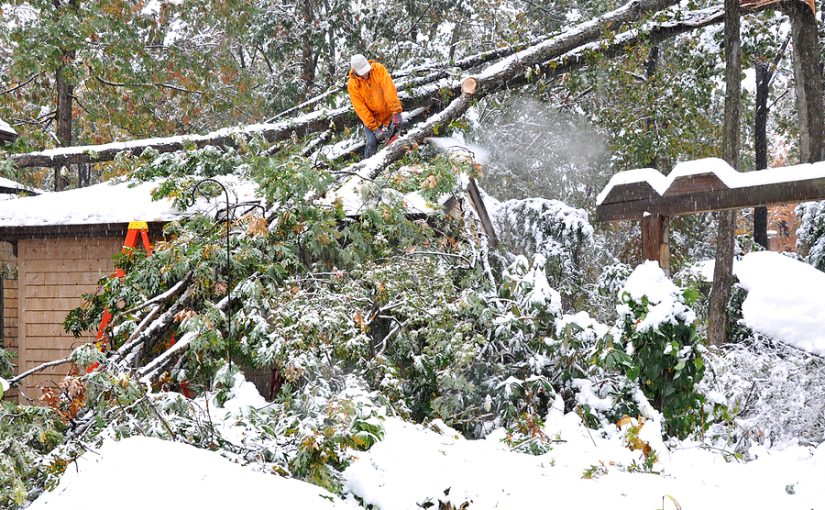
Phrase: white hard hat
(360, 64)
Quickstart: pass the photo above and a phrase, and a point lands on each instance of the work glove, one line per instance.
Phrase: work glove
(381, 134)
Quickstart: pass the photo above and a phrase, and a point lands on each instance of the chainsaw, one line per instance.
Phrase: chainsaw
(389, 134)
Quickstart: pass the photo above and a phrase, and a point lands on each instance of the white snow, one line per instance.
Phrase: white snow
(785, 299)
(653, 177)
(110, 202)
(413, 465)
(730, 177)
(6, 128)
(8, 183)
(141, 473)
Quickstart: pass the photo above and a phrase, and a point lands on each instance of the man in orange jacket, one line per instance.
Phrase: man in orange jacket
(375, 100)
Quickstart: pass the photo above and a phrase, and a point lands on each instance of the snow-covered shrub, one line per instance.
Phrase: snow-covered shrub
(559, 233)
(775, 393)
(611, 279)
(811, 233)
(663, 348)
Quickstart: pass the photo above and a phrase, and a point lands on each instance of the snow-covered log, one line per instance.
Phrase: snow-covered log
(418, 76)
(321, 119)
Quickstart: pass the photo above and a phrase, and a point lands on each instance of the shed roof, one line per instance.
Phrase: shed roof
(7, 133)
(102, 207)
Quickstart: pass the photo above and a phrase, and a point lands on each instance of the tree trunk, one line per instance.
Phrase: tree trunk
(760, 214)
(808, 81)
(308, 58)
(543, 54)
(64, 119)
(723, 270)
(650, 69)
(65, 91)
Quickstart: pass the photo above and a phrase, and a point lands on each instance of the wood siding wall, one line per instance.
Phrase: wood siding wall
(8, 267)
(52, 276)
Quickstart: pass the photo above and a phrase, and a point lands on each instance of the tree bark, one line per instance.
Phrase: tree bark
(308, 58)
(65, 93)
(650, 72)
(723, 269)
(808, 81)
(64, 118)
(760, 214)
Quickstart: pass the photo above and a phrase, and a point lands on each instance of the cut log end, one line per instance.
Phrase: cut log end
(469, 86)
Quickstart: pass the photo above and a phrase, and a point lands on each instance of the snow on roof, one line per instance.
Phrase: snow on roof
(109, 202)
(7, 133)
(730, 177)
(5, 127)
(10, 184)
(785, 300)
(173, 475)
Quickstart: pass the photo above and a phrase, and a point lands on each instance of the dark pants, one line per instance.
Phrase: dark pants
(371, 146)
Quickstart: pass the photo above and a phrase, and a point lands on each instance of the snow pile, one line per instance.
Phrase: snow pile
(785, 299)
(414, 466)
(141, 473)
(110, 202)
(665, 301)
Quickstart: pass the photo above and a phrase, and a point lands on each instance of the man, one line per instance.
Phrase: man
(375, 100)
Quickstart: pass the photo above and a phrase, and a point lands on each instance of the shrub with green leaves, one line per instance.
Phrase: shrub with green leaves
(663, 349)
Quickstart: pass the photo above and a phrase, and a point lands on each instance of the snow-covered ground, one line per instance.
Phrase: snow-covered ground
(412, 466)
(415, 465)
(142, 473)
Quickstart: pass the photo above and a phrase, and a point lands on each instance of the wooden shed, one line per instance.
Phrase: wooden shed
(56, 247)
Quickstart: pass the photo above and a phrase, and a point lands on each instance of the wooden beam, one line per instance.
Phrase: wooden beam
(715, 200)
(655, 243)
(481, 209)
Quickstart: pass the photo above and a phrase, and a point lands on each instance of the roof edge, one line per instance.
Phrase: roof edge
(77, 231)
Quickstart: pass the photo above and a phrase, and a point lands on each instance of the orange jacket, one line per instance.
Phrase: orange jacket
(375, 99)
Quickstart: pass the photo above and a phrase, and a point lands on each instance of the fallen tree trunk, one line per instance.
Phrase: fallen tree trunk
(412, 78)
(320, 120)
(512, 72)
